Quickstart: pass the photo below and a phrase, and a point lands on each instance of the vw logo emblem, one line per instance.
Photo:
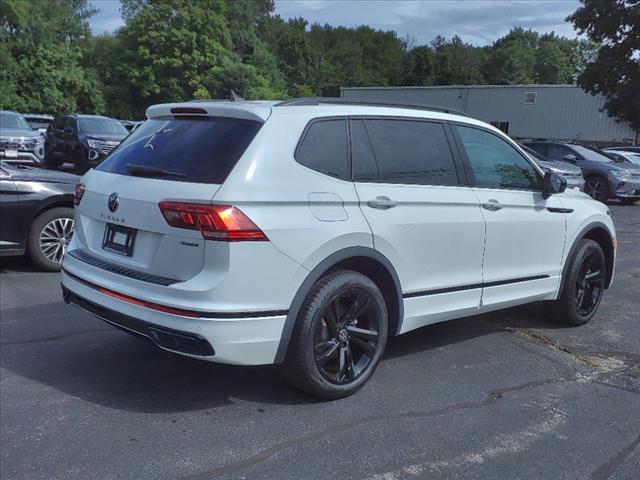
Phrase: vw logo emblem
(113, 202)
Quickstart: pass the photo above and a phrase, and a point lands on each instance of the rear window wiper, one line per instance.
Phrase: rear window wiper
(149, 171)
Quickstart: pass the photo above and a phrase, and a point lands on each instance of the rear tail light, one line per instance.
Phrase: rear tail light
(215, 222)
(79, 192)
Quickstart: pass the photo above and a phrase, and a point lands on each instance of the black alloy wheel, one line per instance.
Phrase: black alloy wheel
(597, 189)
(338, 337)
(589, 283)
(346, 337)
(583, 285)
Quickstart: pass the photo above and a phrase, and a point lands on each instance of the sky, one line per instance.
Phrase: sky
(479, 22)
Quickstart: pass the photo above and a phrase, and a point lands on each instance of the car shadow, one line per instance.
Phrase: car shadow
(445, 333)
(16, 264)
(71, 351)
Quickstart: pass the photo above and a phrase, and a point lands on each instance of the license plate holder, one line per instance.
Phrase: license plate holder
(119, 239)
(11, 153)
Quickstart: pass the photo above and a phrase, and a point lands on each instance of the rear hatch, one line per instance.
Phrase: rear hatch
(168, 158)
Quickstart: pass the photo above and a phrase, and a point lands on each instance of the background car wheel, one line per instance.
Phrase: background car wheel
(628, 201)
(583, 285)
(597, 188)
(81, 163)
(339, 336)
(49, 161)
(49, 237)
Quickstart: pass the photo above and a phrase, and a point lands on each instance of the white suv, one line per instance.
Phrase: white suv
(307, 232)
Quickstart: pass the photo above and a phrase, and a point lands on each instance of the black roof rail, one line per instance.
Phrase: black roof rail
(307, 101)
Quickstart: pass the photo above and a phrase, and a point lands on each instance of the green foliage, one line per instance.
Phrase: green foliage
(615, 69)
(41, 49)
(176, 50)
(456, 62)
(419, 66)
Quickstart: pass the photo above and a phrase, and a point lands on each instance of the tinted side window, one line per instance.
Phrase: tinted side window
(541, 148)
(71, 123)
(365, 168)
(497, 164)
(324, 148)
(405, 151)
(556, 152)
(58, 122)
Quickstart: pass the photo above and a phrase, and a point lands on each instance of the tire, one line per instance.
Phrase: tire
(42, 242)
(81, 163)
(597, 188)
(333, 362)
(628, 201)
(49, 161)
(588, 260)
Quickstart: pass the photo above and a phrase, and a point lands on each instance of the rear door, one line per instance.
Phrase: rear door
(525, 232)
(54, 135)
(424, 219)
(186, 159)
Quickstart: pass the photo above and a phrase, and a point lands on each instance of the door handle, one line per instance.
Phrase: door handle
(492, 205)
(382, 203)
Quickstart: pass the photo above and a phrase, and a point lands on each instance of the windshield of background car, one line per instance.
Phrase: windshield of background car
(591, 155)
(38, 123)
(533, 153)
(101, 126)
(13, 120)
(204, 150)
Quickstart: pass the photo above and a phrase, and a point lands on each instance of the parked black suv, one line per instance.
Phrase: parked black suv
(83, 140)
(604, 178)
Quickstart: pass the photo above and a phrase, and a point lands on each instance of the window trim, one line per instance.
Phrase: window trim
(461, 174)
(467, 163)
(304, 133)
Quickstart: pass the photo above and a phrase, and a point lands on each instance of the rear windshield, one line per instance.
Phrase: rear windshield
(202, 150)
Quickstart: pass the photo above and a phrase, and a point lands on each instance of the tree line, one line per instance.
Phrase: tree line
(184, 49)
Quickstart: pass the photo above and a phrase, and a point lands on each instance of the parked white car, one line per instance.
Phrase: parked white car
(307, 232)
(633, 157)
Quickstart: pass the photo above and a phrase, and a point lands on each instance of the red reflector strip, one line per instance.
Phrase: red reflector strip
(151, 305)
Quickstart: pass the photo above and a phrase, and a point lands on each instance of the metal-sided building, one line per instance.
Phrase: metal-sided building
(555, 112)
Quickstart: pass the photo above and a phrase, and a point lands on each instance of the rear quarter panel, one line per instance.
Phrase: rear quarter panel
(305, 214)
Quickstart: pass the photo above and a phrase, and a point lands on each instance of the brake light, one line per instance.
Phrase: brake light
(215, 222)
(188, 111)
(77, 195)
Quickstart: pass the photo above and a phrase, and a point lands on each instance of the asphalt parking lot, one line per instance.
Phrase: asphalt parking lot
(503, 395)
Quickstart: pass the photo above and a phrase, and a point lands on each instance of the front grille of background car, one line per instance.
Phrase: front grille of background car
(105, 147)
(17, 144)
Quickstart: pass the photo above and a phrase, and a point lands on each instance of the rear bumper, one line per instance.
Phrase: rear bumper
(237, 340)
(169, 339)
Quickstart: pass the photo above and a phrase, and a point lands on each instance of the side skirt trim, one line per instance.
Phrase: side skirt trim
(472, 286)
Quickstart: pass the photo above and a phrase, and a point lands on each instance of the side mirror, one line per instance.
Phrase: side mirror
(570, 158)
(553, 183)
